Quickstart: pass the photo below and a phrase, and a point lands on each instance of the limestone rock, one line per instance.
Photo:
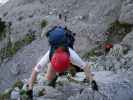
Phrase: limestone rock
(51, 94)
(15, 69)
(128, 39)
(39, 91)
(116, 51)
(127, 12)
(93, 18)
(111, 88)
(15, 94)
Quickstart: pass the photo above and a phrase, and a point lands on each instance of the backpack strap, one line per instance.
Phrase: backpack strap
(53, 50)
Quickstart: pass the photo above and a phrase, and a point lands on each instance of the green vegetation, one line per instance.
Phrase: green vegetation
(44, 23)
(12, 48)
(6, 94)
(89, 54)
(42, 92)
(18, 84)
(24, 96)
(97, 51)
(117, 31)
(2, 29)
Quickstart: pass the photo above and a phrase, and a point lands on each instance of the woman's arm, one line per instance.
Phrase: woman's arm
(76, 60)
(44, 60)
(88, 72)
(33, 78)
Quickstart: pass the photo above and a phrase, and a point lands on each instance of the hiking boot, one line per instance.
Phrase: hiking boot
(94, 85)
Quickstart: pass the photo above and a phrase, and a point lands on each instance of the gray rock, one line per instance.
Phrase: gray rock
(128, 39)
(26, 58)
(92, 20)
(15, 69)
(127, 12)
(50, 13)
(27, 15)
(51, 94)
(15, 94)
(111, 88)
(37, 90)
(40, 78)
(79, 17)
(71, 89)
(117, 51)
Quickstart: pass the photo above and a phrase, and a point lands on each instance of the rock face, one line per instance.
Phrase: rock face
(20, 66)
(111, 87)
(15, 94)
(128, 40)
(89, 19)
(84, 18)
(126, 12)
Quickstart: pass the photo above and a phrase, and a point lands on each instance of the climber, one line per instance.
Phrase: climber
(59, 57)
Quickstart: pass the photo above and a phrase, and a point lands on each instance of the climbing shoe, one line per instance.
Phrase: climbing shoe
(94, 85)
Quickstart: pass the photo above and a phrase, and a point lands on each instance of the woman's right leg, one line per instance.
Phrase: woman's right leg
(50, 74)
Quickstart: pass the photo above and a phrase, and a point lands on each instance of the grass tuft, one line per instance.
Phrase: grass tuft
(44, 23)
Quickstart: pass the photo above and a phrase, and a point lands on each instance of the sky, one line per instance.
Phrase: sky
(3, 1)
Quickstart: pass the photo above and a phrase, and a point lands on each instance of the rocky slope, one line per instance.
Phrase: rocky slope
(89, 19)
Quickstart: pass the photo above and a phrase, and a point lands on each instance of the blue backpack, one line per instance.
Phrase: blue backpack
(60, 36)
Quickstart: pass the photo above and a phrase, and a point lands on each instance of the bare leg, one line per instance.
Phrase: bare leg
(51, 74)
